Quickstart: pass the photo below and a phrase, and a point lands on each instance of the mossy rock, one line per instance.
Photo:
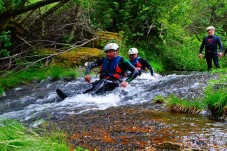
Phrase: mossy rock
(107, 37)
(79, 56)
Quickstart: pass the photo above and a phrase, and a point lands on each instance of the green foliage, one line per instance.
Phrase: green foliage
(173, 27)
(81, 149)
(159, 99)
(15, 136)
(1, 91)
(4, 43)
(9, 5)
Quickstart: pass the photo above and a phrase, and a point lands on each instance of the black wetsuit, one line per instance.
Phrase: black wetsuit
(143, 64)
(109, 83)
(211, 43)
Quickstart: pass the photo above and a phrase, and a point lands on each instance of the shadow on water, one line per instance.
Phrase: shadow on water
(38, 102)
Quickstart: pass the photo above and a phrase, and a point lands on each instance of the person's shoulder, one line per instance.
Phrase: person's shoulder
(123, 60)
(217, 37)
(142, 59)
(100, 60)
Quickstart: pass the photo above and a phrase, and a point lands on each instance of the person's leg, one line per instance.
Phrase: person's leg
(99, 88)
(215, 60)
(92, 88)
(209, 61)
(61, 94)
(105, 85)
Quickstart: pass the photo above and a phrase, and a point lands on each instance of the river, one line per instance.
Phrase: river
(127, 116)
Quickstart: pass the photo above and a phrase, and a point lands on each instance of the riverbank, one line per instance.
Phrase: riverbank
(146, 126)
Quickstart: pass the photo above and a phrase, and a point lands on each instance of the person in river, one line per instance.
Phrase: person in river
(211, 42)
(112, 69)
(138, 62)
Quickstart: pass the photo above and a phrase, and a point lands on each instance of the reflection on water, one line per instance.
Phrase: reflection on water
(193, 131)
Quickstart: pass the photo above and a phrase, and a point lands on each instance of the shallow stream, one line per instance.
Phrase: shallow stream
(38, 102)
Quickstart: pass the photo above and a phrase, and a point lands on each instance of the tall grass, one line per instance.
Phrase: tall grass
(215, 99)
(216, 96)
(14, 136)
(179, 105)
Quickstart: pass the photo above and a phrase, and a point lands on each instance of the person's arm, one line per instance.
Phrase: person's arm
(145, 64)
(90, 66)
(126, 65)
(201, 48)
(220, 47)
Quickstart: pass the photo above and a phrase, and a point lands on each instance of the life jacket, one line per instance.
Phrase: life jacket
(136, 63)
(110, 69)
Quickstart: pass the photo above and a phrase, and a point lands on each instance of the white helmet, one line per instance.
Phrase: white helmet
(210, 28)
(132, 51)
(111, 46)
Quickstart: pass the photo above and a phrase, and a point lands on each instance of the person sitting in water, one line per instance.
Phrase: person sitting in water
(112, 69)
(138, 62)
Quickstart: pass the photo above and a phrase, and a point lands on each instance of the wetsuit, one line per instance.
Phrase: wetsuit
(210, 43)
(141, 65)
(111, 74)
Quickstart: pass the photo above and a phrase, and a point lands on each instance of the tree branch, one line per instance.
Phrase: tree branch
(33, 6)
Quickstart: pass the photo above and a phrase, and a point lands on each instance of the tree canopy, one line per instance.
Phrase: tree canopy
(171, 29)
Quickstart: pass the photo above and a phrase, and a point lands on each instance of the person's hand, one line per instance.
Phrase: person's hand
(220, 54)
(87, 78)
(124, 84)
(200, 56)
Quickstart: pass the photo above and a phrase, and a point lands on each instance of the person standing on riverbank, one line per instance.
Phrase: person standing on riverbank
(211, 42)
(138, 62)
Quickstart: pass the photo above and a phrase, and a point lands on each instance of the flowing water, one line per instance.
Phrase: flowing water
(38, 102)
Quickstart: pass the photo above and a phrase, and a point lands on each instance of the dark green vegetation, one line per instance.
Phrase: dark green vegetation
(167, 33)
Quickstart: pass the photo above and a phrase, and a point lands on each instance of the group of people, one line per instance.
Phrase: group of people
(117, 71)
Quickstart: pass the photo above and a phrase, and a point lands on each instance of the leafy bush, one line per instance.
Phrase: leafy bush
(4, 43)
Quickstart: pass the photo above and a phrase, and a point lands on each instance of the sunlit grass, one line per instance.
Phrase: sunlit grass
(32, 74)
(14, 136)
(179, 105)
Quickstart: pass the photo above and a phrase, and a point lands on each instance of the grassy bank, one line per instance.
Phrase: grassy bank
(14, 136)
(215, 99)
(36, 74)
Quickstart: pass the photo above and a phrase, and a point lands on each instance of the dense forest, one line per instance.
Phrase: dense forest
(169, 32)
